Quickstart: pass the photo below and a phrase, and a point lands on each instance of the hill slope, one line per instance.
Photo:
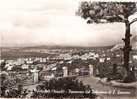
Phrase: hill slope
(121, 45)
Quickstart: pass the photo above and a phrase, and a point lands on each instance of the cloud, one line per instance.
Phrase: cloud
(48, 22)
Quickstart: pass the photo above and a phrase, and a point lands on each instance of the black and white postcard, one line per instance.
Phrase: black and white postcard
(68, 49)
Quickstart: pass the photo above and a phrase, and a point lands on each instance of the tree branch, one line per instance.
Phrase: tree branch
(121, 17)
(134, 20)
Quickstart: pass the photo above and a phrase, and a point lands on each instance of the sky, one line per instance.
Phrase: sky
(53, 22)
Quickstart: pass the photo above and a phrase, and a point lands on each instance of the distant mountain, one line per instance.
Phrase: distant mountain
(117, 47)
(63, 47)
(121, 45)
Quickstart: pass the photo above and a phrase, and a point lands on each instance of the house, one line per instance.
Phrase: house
(135, 57)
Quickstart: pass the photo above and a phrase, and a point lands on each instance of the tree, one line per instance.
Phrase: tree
(2, 66)
(102, 12)
(3, 86)
(114, 71)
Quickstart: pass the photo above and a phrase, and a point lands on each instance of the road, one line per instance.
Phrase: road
(100, 87)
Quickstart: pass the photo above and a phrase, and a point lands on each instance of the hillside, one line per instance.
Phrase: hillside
(121, 45)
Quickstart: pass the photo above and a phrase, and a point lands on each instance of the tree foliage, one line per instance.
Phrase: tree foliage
(112, 12)
(63, 84)
(109, 11)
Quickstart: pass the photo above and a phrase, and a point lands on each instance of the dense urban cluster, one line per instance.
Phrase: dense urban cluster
(65, 63)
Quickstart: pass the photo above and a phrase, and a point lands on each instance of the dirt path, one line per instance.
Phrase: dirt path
(100, 87)
(95, 83)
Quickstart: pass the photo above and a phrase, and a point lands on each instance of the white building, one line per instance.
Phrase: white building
(135, 57)
(91, 70)
(48, 77)
(24, 66)
(77, 70)
(35, 75)
(65, 71)
(101, 60)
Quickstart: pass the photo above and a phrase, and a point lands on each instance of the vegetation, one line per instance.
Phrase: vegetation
(8, 88)
(63, 84)
(103, 12)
